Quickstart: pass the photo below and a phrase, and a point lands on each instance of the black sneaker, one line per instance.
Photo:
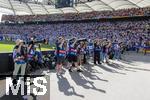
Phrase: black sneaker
(70, 70)
(79, 70)
(100, 63)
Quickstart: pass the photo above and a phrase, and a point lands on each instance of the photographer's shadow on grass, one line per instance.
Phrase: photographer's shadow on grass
(108, 69)
(92, 73)
(119, 67)
(81, 81)
(64, 86)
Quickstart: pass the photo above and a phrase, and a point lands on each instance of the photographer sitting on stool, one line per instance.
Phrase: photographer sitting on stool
(19, 58)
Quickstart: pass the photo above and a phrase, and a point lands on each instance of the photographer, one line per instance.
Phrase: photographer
(19, 57)
(80, 53)
(85, 53)
(35, 56)
(60, 54)
(32, 54)
(72, 55)
(106, 47)
(117, 50)
(97, 50)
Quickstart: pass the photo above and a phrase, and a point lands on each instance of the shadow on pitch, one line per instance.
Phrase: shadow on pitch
(127, 68)
(106, 68)
(119, 67)
(136, 57)
(82, 81)
(65, 87)
(90, 72)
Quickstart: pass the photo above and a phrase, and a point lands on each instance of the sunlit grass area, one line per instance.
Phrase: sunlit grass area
(6, 46)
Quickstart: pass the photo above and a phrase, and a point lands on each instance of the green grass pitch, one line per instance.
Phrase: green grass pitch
(8, 47)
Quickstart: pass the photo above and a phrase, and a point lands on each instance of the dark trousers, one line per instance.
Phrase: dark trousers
(84, 60)
(96, 57)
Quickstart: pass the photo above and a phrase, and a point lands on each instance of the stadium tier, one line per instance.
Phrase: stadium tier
(78, 49)
(133, 12)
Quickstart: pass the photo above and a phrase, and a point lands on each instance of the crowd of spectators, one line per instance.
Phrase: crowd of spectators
(79, 16)
(129, 32)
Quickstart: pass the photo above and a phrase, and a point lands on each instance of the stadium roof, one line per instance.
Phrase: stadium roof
(14, 7)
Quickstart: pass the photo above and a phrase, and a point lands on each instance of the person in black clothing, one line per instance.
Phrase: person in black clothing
(85, 53)
(60, 54)
(97, 50)
(73, 55)
(32, 54)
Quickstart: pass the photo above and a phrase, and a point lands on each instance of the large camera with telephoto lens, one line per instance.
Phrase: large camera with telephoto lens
(36, 42)
(78, 40)
(81, 40)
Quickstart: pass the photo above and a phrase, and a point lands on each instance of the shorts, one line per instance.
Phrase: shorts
(60, 60)
(72, 58)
